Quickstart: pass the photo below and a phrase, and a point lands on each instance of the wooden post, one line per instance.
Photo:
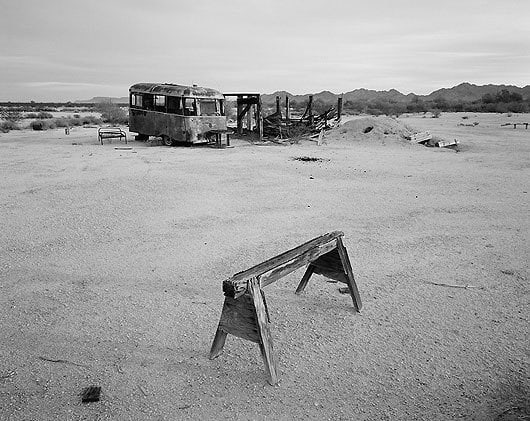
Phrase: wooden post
(352, 286)
(287, 109)
(339, 108)
(259, 119)
(218, 343)
(310, 109)
(305, 279)
(239, 117)
(278, 111)
(265, 344)
(249, 118)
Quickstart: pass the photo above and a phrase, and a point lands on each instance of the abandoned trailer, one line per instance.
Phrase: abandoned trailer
(177, 113)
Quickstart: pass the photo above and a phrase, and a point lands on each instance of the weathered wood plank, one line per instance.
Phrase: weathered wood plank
(218, 343)
(298, 262)
(265, 344)
(421, 137)
(285, 257)
(354, 292)
(273, 269)
(239, 319)
(446, 143)
(305, 279)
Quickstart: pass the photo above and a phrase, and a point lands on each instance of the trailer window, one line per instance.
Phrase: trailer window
(160, 103)
(136, 100)
(209, 107)
(190, 106)
(174, 105)
(148, 102)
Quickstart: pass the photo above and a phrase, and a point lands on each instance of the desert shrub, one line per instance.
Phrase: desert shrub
(43, 124)
(75, 122)
(31, 115)
(90, 119)
(6, 126)
(77, 116)
(61, 122)
(112, 113)
(43, 115)
(37, 125)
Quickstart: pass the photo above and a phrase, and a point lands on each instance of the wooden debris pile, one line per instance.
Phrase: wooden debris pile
(281, 128)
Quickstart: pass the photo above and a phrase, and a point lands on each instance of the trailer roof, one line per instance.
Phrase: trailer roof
(176, 90)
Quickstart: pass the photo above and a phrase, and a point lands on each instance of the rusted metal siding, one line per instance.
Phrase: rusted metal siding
(176, 90)
(198, 127)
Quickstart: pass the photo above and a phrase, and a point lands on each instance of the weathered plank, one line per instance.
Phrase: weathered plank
(350, 278)
(218, 343)
(298, 262)
(239, 319)
(305, 279)
(237, 284)
(265, 344)
(446, 143)
(421, 137)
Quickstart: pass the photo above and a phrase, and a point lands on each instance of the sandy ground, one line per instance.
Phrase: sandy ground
(112, 263)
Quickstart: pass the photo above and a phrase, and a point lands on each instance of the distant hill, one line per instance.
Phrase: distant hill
(468, 92)
(100, 99)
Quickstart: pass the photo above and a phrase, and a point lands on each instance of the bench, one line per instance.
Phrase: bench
(245, 313)
(111, 133)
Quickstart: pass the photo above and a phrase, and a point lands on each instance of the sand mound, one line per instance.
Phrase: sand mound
(373, 128)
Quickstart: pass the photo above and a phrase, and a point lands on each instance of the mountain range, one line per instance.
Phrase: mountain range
(465, 92)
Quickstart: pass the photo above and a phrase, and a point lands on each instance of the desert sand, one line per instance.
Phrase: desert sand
(112, 263)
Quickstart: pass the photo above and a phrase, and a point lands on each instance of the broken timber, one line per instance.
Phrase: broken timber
(446, 143)
(245, 312)
(421, 137)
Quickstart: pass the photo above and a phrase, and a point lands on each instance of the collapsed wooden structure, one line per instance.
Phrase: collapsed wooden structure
(278, 126)
(245, 313)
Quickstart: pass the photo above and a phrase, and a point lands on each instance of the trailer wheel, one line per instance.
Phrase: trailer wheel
(167, 140)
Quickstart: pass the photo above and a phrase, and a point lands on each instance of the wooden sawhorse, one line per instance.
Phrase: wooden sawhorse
(245, 312)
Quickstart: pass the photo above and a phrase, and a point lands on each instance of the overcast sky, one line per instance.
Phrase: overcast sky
(67, 49)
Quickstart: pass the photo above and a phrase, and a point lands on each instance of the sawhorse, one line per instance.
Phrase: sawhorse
(245, 312)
